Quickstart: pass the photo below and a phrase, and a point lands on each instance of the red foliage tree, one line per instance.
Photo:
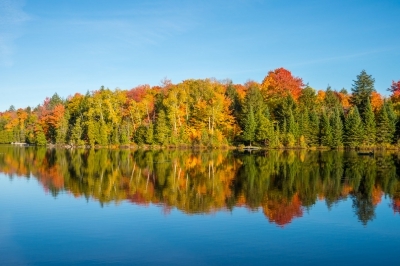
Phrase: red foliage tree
(395, 89)
(280, 83)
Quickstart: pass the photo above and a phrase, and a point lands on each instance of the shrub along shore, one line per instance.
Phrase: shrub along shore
(280, 112)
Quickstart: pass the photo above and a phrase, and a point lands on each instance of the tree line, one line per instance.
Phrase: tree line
(279, 112)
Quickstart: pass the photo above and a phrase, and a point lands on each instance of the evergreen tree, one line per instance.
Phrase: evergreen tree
(252, 101)
(263, 131)
(325, 131)
(337, 129)
(292, 125)
(304, 123)
(353, 128)
(369, 125)
(312, 134)
(385, 128)
(250, 126)
(331, 101)
(361, 92)
(307, 99)
(392, 118)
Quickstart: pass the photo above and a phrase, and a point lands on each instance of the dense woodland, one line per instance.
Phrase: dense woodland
(281, 183)
(279, 112)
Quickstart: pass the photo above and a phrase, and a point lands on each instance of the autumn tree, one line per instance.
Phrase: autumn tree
(280, 83)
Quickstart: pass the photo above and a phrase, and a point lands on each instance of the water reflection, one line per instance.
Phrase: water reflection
(281, 183)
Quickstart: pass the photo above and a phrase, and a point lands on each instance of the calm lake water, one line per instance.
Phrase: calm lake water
(82, 207)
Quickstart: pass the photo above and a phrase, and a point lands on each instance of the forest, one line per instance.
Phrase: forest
(279, 112)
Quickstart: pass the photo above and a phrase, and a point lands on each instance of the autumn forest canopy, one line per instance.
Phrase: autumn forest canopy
(281, 111)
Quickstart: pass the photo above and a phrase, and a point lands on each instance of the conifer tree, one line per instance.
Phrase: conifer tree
(325, 131)
(337, 129)
(263, 131)
(292, 125)
(353, 128)
(361, 91)
(313, 133)
(392, 118)
(385, 128)
(331, 101)
(304, 123)
(250, 126)
(369, 125)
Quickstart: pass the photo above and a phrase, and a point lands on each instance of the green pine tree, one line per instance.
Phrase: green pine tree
(337, 129)
(325, 131)
(353, 129)
(369, 125)
(250, 126)
(385, 127)
(312, 134)
(392, 118)
(362, 89)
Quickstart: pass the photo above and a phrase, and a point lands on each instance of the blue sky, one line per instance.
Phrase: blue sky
(77, 46)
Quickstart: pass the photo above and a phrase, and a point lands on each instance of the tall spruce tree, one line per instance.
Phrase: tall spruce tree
(331, 101)
(393, 120)
(304, 124)
(325, 131)
(312, 135)
(353, 128)
(337, 129)
(265, 127)
(369, 125)
(385, 128)
(250, 126)
(361, 92)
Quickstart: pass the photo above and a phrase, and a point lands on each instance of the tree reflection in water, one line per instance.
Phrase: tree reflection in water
(281, 183)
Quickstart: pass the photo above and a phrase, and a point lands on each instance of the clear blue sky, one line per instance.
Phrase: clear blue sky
(78, 45)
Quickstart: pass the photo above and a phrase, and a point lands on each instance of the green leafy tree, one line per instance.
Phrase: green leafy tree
(161, 128)
(40, 138)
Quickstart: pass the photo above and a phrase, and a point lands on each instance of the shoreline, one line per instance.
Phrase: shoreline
(202, 147)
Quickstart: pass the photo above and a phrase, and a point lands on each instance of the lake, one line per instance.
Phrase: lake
(115, 206)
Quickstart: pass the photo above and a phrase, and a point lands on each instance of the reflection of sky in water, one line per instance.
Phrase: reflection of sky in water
(39, 229)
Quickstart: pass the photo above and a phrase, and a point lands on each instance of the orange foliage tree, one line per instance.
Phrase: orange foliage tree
(280, 83)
